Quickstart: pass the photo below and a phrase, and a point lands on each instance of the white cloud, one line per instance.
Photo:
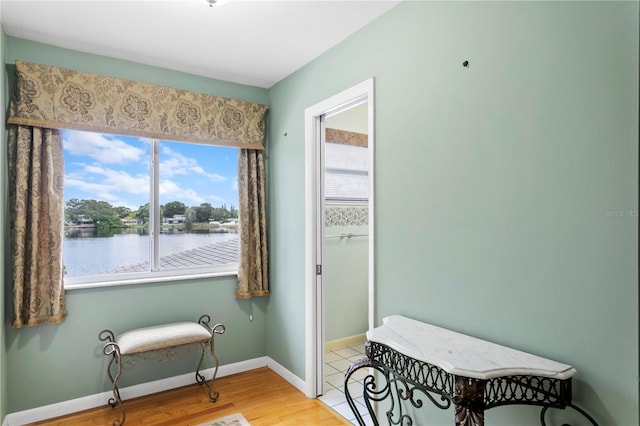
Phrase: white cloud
(107, 184)
(169, 189)
(213, 199)
(104, 148)
(97, 190)
(119, 180)
(178, 164)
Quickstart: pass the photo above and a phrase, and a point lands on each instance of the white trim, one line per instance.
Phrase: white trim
(344, 342)
(296, 381)
(154, 206)
(76, 283)
(100, 399)
(312, 115)
(372, 194)
(311, 219)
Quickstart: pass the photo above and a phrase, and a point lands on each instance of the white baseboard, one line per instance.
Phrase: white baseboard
(296, 381)
(344, 342)
(100, 399)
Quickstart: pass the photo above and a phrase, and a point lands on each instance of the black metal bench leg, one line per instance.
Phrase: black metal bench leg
(117, 399)
(112, 349)
(213, 396)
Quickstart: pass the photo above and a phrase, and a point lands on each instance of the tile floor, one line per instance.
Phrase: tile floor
(336, 364)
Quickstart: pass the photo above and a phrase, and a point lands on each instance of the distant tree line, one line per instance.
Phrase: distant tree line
(101, 213)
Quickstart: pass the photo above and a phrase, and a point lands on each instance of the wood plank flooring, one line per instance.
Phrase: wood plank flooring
(263, 398)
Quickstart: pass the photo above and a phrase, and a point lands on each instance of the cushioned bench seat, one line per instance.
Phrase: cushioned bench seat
(161, 336)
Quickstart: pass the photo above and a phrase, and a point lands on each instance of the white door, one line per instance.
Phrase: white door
(315, 120)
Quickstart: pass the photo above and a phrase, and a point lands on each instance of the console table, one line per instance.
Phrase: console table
(409, 360)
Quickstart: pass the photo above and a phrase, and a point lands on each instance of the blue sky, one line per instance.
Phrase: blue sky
(115, 169)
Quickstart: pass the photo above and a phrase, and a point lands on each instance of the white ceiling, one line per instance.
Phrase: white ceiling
(254, 42)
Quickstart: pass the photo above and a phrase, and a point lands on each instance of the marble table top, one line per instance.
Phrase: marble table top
(460, 354)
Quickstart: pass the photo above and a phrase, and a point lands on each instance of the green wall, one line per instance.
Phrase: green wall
(345, 270)
(506, 192)
(53, 363)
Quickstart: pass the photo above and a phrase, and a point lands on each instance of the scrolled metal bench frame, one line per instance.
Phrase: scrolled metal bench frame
(120, 362)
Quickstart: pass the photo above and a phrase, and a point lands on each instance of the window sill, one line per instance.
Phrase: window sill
(156, 278)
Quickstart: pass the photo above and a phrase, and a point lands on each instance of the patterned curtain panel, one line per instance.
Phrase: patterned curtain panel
(36, 178)
(252, 267)
(50, 97)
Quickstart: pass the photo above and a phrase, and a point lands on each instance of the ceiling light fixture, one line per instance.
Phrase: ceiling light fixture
(211, 3)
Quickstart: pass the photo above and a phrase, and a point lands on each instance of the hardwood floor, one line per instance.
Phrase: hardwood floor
(263, 398)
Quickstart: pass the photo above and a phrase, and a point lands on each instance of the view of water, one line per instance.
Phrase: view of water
(86, 253)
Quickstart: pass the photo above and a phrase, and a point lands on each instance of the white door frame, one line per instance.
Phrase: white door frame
(313, 303)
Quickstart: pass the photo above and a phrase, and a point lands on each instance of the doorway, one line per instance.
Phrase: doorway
(326, 201)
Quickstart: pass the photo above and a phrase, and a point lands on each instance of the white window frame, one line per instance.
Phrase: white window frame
(154, 275)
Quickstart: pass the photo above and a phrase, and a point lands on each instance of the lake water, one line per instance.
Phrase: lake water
(85, 253)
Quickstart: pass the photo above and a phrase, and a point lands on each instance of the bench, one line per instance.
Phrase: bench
(159, 343)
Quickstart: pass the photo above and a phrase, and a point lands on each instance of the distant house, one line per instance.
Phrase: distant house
(81, 222)
(131, 222)
(175, 220)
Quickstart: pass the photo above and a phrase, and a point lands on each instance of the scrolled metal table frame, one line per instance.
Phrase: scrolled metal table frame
(123, 362)
(406, 379)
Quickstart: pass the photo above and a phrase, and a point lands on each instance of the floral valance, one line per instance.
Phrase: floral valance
(50, 97)
(346, 137)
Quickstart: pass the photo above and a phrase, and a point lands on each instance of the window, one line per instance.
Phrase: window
(346, 173)
(138, 209)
